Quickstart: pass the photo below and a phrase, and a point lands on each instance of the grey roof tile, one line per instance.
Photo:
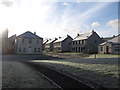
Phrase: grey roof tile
(28, 34)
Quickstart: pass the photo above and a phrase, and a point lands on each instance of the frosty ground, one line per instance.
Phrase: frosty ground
(99, 72)
(95, 72)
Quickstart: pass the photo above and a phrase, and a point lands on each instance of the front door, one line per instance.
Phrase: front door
(107, 49)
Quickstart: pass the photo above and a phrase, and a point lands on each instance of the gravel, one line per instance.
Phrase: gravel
(18, 75)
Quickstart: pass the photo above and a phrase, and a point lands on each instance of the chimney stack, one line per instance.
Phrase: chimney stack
(35, 33)
(78, 34)
(93, 31)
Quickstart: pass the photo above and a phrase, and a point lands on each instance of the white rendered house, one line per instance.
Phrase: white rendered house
(28, 43)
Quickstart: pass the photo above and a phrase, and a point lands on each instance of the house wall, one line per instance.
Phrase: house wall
(66, 45)
(116, 49)
(89, 45)
(28, 48)
(57, 46)
(47, 47)
(79, 46)
(104, 48)
(93, 42)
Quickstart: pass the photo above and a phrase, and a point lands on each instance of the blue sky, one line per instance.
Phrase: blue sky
(54, 19)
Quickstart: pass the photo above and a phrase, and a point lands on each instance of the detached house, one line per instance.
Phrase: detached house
(28, 43)
(49, 44)
(63, 44)
(111, 46)
(86, 43)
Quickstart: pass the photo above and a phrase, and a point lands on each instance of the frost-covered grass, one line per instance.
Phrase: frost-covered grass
(18, 75)
(103, 72)
(104, 56)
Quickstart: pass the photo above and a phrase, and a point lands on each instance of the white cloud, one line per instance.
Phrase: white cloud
(65, 4)
(113, 23)
(95, 24)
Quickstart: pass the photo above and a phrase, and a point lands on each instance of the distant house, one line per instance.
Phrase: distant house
(11, 44)
(86, 43)
(107, 38)
(49, 44)
(63, 44)
(111, 46)
(28, 43)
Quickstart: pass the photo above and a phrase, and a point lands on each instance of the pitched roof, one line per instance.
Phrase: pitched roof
(28, 34)
(83, 36)
(62, 38)
(114, 40)
(51, 40)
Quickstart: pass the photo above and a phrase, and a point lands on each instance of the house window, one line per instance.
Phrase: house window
(37, 41)
(38, 49)
(95, 41)
(23, 40)
(101, 48)
(82, 41)
(34, 49)
(117, 49)
(30, 40)
(24, 49)
(20, 50)
(73, 42)
(69, 43)
(76, 42)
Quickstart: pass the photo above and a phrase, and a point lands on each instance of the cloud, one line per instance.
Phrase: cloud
(95, 24)
(113, 23)
(65, 4)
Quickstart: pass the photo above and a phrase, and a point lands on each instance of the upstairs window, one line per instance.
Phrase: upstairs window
(82, 41)
(23, 40)
(73, 42)
(95, 41)
(30, 40)
(37, 41)
(76, 42)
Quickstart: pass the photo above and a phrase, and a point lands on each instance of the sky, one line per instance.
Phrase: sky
(56, 18)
